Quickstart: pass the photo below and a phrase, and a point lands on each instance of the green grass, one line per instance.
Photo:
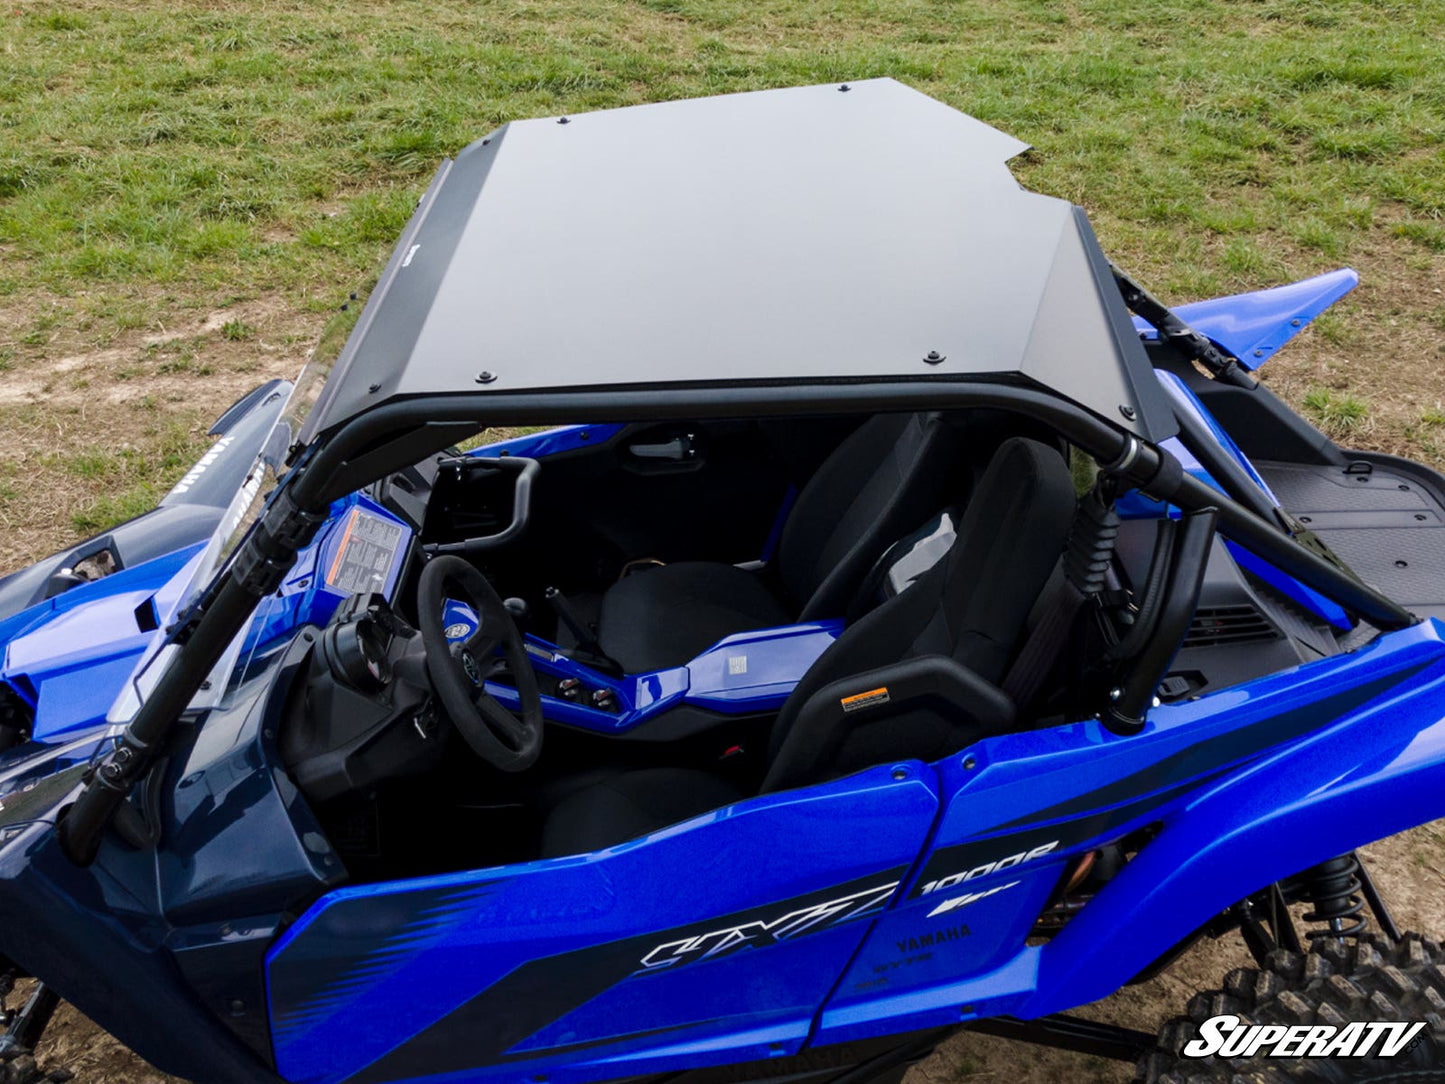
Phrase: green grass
(107, 510)
(250, 148)
(237, 331)
(128, 480)
(160, 159)
(1336, 413)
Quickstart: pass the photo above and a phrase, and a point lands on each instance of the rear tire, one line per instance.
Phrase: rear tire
(1331, 984)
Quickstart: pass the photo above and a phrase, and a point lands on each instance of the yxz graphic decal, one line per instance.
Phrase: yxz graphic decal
(492, 1025)
(796, 923)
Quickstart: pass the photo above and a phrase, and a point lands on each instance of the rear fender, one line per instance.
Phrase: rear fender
(1373, 772)
(1255, 325)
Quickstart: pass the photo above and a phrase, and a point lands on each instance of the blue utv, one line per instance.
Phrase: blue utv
(887, 635)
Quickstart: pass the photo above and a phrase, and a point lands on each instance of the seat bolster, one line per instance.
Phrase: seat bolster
(829, 717)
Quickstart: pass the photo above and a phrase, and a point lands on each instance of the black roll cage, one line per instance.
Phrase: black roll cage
(400, 433)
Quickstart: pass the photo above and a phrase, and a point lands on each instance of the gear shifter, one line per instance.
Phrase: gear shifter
(519, 610)
(588, 650)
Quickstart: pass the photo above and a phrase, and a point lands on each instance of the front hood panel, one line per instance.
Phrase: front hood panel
(66, 651)
(75, 652)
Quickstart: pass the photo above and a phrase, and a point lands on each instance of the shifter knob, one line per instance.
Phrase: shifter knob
(518, 608)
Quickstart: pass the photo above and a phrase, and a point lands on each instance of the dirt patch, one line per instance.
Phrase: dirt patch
(100, 432)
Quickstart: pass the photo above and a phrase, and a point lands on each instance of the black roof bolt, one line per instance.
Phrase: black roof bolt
(1126, 410)
(844, 89)
(486, 376)
(933, 357)
(564, 120)
(374, 388)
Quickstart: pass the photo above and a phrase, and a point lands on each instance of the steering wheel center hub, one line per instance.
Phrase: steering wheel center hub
(472, 668)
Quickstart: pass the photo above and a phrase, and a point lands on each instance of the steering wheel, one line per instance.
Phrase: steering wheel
(506, 741)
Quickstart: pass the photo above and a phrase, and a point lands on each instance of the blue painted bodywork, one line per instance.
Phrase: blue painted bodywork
(1253, 326)
(746, 673)
(895, 899)
(69, 656)
(454, 950)
(566, 438)
(449, 940)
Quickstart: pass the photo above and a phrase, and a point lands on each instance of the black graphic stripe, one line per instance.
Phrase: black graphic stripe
(1224, 749)
(355, 944)
(1188, 769)
(486, 1029)
(973, 853)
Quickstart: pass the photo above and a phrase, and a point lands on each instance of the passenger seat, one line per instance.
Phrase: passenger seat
(891, 474)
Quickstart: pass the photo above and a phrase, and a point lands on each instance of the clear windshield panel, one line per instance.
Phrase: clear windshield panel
(241, 515)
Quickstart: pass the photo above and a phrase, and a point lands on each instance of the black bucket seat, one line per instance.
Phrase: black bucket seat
(941, 648)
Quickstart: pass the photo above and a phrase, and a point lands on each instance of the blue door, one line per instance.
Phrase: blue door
(713, 941)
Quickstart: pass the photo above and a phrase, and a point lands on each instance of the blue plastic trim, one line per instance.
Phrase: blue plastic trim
(566, 438)
(747, 673)
(1254, 326)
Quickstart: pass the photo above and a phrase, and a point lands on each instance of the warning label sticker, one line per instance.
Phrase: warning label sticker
(368, 546)
(858, 701)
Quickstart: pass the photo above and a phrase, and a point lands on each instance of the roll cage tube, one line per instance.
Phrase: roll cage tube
(401, 433)
(1184, 338)
(203, 633)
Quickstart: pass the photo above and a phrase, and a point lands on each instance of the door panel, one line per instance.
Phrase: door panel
(712, 941)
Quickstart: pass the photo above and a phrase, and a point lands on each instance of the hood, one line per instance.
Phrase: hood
(69, 640)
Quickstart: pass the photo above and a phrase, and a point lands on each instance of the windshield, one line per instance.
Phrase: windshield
(241, 515)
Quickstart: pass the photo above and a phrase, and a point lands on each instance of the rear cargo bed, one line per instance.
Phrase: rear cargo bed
(1384, 517)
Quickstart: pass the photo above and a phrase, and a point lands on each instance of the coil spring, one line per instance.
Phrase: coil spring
(1333, 887)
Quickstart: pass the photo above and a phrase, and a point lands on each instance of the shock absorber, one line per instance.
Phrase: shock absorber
(1334, 889)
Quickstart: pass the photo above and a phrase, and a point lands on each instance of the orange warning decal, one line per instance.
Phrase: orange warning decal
(865, 700)
(341, 549)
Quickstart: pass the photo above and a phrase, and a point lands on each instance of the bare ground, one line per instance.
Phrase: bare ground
(149, 386)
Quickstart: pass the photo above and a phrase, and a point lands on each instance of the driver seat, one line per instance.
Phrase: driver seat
(942, 647)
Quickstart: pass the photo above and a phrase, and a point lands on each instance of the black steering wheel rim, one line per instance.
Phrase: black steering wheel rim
(505, 740)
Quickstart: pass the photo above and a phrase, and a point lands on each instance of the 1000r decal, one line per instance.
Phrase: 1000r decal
(757, 934)
(998, 865)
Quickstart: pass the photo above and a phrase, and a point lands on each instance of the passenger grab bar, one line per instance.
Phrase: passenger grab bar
(526, 470)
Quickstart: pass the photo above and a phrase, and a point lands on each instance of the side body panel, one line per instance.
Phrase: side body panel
(709, 942)
(1246, 786)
